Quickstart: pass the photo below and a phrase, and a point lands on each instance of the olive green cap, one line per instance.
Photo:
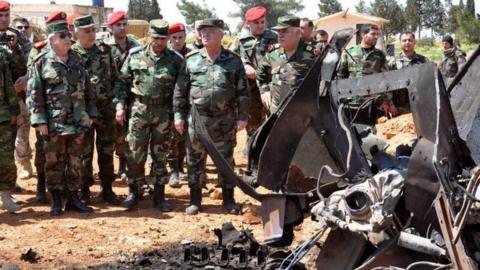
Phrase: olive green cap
(57, 27)
(210, 23)
(158, 28)
(84, 22)
(287, 21)
(197, 24)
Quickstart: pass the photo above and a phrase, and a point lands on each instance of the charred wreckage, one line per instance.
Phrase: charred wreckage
(416, 209)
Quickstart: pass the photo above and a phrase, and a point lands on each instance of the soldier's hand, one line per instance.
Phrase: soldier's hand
(13, 120)
(180, 126)
(21, 84)
(251, 74)
(42, 129)
(241, 125)
(267, 100)
(120, 117)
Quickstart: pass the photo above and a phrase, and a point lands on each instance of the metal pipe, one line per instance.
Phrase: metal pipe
(420, 244)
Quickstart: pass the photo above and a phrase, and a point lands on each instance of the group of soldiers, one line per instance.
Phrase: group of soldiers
(80, 93)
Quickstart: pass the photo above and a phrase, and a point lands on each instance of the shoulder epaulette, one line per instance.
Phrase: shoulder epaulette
(135, 50)
(40, 44)
(177, 53)
(191, 53)
(309, 48)
(39, 56)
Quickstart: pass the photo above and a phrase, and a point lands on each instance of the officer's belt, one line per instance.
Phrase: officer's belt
(150, 100)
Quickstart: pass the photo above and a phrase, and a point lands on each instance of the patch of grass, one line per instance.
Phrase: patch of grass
(434, 53)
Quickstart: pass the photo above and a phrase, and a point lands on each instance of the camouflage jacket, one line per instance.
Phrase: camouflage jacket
(452, 59)
(147, 75)
(8, 101)
(101, 68)
(37, 49)
(402, 61)
(281, 75)
(216, 88)
(358, 62)
(195, 46)
(251, 49)
(120, 54)
(59, 95)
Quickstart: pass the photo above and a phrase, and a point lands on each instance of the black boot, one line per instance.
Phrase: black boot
(41, 195)
(56, 208)
(85, 194)
(108, 195)
(122, 168)
(159, 201)
(131, 201)
(195, 201)
(229, 201)
(74, 203)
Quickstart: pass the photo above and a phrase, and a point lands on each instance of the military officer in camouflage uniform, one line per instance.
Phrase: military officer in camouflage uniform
(452, 58)
(283, 69)
(213, 79)
(408, 56)
(9, 109)
(148, 76)
(306, 25)
(62, 107)
(177, 37)
(121, 44)
(197, 43)
(252, 44)
(364, 59)
(99, 63)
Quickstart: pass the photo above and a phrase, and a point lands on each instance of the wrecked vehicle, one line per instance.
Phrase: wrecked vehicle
(416, 209)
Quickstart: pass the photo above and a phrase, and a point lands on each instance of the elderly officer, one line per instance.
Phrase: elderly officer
(283, 69)
(148, 76)
(101, 68)
(61, 109)
(213, 79)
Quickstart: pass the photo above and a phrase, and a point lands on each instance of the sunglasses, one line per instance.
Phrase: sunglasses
(63, 35)
(23, 27)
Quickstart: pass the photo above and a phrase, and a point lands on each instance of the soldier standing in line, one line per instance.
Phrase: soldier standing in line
(213, 79)
(99, 63)
(197, 43)
(62, 108)
(252, 44)
(284, 68)
(452, 58)
(306, 25)
(151, 73)
(121, 44)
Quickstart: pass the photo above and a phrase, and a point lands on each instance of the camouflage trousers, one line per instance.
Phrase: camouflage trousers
(121, 145)
(177, 152)
(149, 126)
(256, 112)
(104, 128)
(63, 161)
(222, 131)
(40, 154)
(23, 151)
(8, 170)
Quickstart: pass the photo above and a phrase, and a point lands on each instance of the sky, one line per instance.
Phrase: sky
(222, 8)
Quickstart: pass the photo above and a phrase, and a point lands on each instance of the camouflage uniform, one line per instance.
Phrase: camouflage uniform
(219, 91)
(8, 108)
(252, 51)
(451, 61)
(403, 61)
(152, 79)
(98, 61)
(280, 75)
(59, 96)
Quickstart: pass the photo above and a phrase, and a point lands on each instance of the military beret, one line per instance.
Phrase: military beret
(210, 23)
(4, 6)
(72, 17)
(158, 28)
(287, 21)
(255, 13)
(84, 22)
(57, 27)
(176, 27)
(116, 17)
(56, 16)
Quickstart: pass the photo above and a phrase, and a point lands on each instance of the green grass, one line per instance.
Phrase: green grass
(434, 53)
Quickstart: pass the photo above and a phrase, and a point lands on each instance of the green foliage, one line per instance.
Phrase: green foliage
(276, 8)
(361, 7)
(434, 16)
(144, 10)
(468, 23)
(155, 11)
(426, 42)
(392, 11)
(193, 11)
(413, 14)
(328, 7)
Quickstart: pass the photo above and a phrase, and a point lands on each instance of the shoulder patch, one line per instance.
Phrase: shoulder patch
(40, 44)
(135, 50)
(309, 48)
(191, 53)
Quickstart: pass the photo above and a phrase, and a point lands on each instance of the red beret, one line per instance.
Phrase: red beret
(116, 17)
(72, 17)
(4, 6)
(255, 13)
(176, 27)
(56, 16)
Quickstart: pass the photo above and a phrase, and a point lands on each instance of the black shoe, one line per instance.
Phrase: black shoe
(195, 201)
(56, 208)
(229, 201)
(108, 195)
(85, 194)
(159, 201)
(131, 201)
(41, 194)
(74, 203)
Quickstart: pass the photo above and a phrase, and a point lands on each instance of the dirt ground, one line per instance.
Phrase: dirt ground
(110, 234)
